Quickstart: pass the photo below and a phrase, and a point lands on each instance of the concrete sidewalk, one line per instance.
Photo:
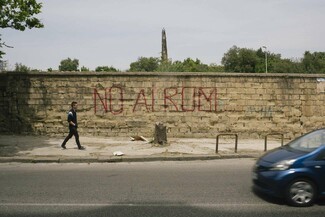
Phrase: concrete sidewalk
(41, 149)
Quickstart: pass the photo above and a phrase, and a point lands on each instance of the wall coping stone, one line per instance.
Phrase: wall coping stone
(163, 74)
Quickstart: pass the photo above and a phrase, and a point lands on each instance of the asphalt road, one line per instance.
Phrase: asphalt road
(198, 188)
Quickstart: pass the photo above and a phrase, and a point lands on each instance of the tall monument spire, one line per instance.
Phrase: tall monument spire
(164, 55)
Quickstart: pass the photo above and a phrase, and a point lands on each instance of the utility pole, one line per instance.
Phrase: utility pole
(164, 55)
(265, 58)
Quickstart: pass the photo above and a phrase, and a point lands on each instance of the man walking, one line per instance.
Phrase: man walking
(73, 125)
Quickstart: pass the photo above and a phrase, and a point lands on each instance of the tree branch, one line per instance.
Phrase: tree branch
(4, 44)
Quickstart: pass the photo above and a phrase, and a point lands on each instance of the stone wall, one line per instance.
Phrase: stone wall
(189, 104)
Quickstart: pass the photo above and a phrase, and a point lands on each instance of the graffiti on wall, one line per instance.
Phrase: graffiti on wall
(263, 111)
(172, 99)
(117, 99)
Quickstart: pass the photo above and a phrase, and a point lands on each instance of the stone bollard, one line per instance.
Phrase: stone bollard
(160, 136)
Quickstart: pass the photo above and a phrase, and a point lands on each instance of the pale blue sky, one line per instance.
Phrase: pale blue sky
(117, 32)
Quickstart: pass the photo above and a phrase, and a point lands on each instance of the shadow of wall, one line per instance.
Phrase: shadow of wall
(16, 114)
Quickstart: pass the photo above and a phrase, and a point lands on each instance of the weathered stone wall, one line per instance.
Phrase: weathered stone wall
(190, 104)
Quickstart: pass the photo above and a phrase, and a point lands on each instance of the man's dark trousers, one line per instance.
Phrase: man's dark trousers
(72, 132)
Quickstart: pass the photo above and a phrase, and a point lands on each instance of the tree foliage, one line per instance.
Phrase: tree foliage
(19, 67)
(170, 66)
(216, 68)
(253, 61)
(19, 15)
(22, 68)
(105, 69)
(153, 64)
(1, 52)
(240, 60)
(190, 65)
(145, 64)
(314, 62)
(69, 65)
(84, 69)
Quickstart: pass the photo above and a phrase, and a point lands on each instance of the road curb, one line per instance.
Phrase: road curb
(118, 159)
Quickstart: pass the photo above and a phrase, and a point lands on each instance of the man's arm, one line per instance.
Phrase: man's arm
(70, 118)
(71, 123)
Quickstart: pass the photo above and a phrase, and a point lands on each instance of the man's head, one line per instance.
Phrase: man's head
(74, 105)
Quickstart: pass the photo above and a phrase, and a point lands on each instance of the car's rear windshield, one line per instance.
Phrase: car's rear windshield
(309, 142)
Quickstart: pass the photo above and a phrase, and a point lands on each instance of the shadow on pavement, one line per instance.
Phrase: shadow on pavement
(281, 201)
(268, 198)
(11, 145)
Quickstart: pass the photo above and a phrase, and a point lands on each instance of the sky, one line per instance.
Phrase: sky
(118, 32)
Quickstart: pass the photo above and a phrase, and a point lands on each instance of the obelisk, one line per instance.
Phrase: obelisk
(164, 55)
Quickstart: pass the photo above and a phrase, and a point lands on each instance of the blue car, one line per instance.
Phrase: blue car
(295, 171)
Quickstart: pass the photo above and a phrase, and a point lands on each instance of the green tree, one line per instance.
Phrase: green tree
(240, 60)
(105, 69)
(19, 67)
(170, 66)
(19, 15)
(286, 66)
(314, 62)
(231, 60)
(1, 45)
(22, 68)
(69, 65)
(216, 68)
(249, 60)
(190, 65)
(84, 69)
(145, 64)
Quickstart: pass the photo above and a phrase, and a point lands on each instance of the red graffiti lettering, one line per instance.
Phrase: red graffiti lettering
(153, 99)
(169, 97)
(103, 101)
(208, 99)
(190, 97)
(141, 93)
(175, 99)
(119, 101)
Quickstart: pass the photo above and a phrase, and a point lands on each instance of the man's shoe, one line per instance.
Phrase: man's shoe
(81, 148)
(63, 146)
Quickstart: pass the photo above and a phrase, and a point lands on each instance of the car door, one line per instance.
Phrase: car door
(320, 169)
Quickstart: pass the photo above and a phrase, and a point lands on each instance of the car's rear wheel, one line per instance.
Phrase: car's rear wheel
(301, 192)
